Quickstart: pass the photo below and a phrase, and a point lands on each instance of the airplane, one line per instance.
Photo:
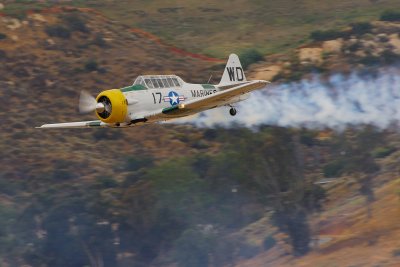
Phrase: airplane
(156, 98)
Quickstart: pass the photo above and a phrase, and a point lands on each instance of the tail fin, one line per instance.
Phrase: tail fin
(233, 72)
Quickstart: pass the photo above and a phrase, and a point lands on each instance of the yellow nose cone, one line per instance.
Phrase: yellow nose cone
(118, 109)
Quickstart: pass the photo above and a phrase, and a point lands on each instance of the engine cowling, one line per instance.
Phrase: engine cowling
(115, 106)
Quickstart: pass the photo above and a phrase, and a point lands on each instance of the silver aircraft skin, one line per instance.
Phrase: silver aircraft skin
(155, 98)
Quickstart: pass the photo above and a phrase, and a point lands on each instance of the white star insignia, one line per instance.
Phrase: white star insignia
(174, 99)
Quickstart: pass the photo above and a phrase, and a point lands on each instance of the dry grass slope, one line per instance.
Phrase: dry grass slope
(219, 28)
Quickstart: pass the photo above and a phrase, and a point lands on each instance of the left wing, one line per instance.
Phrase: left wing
(79, 124)
(218, 99)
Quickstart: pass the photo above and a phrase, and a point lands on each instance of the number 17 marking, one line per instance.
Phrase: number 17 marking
(159, 97)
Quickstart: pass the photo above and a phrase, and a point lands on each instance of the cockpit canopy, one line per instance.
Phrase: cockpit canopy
(159, 81)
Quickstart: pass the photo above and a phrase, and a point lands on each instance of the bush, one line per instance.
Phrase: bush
(293, 221)
(390, 15)
(210, 134)
(137, 162)
(389, 57)
(75, 23)
(354, 47)
(308, 138)
(9, 186)
(334, 169)
(360, 28)
(3, 55)
(58, 31)
(247, 250)
(99, 41)
(91, 65)
(192, 249)
(326, 35)
(2, 36)
(370, 60)
(382, 152)
(103, 134)
(313, 197)
(249, 57)
(106, 182)
(396, 252)
(62, 175)
(269, 242)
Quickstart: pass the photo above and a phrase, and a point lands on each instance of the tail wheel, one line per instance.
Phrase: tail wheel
(233, 111)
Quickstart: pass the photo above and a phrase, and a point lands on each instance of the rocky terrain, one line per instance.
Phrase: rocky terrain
(359, 47)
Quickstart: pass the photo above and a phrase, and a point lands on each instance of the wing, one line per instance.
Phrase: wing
(211, 101)
(79, 124)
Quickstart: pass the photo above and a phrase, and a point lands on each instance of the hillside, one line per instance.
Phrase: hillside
(212, 28)
(176, 194)
(344, 235)
(43, 75)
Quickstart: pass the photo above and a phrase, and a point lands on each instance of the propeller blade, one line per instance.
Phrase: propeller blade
(87, 102)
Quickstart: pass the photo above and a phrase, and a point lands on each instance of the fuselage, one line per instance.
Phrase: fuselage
(152, 93)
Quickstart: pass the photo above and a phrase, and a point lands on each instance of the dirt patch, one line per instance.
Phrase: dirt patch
(265, 72)
(313, 55)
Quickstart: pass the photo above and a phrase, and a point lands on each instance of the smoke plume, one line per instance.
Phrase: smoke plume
(337, 102)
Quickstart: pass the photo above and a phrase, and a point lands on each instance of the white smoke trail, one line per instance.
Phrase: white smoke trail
(335, 103)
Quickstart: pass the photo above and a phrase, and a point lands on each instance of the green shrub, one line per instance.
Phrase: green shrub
(249, 57)
(294, 76)
(192, 249)
(314, 195)
(75, 23)
(8, 186)
(382, 152)
(58, 31)
(2, 36)
(334, 169)
(370, 60)
(106, 182)
(210, 134)
(390, 15)
(103, 134)
(360, 28)
(396, 252)
(326, 35)
(135, 163)
(62, 175)
(269, 242)
(354, 47)
(91, 65)
(99, 41)
(389, 57)
(247, 250)
(307, 138)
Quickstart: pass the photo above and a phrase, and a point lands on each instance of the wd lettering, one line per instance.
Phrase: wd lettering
(231, 72)
(235, 74)
(239, 74)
